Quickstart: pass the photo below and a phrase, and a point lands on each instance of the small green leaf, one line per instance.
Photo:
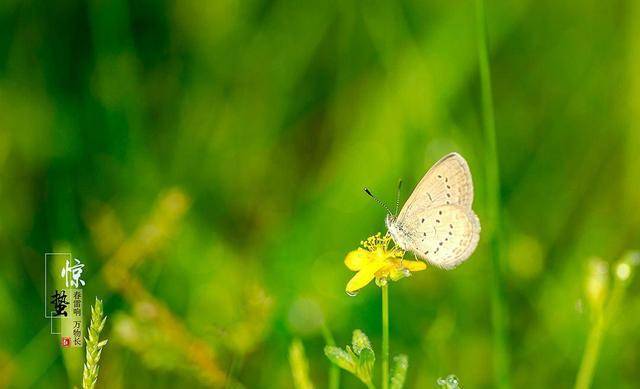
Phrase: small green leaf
(360, 341)
(340, 358)
(399, 371)
(351, 353)
(358, 358)
(364, 368)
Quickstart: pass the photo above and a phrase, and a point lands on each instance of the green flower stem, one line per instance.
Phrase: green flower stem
(600, 325)
(334, 370)
(385, 337)
(590, 356)
(499, 307)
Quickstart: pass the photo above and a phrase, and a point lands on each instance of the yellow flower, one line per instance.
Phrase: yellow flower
(380, 260)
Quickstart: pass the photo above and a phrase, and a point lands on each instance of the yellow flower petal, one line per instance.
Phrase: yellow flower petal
(356, 259)
(414, 265)
(364, 276)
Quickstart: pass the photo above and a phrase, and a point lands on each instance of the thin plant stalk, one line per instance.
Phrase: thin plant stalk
(334, 370)
(590, 356)
(498, 304)
(596, 334)
(385, 336)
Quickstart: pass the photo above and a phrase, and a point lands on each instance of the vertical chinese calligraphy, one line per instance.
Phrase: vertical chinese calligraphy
(63, 306)
(76, 317)
(76, 273)
(60, 303)
(77, 303)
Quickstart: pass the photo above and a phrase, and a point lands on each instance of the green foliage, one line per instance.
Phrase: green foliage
(399, 371)
(299, 366)
(604, 309)
(360, 341)
(343, 359)
(358, 359)
(94, 346)
(364, 365)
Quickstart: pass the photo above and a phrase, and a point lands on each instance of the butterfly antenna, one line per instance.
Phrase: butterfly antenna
(367, 191)
(398, 196)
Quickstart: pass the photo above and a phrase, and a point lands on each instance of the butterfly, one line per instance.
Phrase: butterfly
(437, 223)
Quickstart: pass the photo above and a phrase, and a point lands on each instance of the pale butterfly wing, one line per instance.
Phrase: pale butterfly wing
(437, 223)
(447, 182)
(444, 236)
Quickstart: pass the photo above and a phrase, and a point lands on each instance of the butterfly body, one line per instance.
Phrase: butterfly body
(398, 233)
(437, 223)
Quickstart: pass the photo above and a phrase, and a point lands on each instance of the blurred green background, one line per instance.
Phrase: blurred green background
(206, 161)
